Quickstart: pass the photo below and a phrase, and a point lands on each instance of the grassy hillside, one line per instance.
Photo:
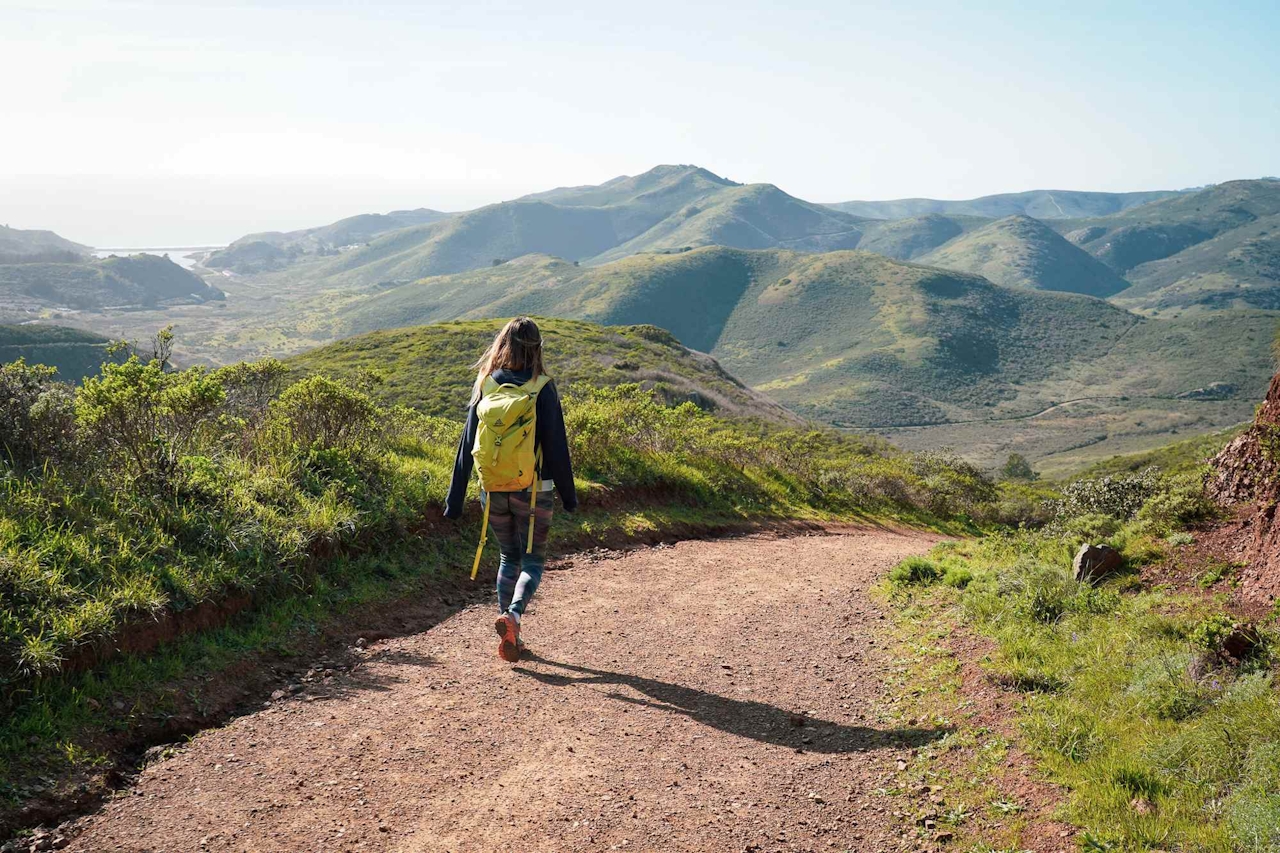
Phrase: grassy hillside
(661, 186)
(1188, 456)
(429, 367)
(669, 208)
(908, 239)
(75, 353)
(137, 280)
(1215, 248)
(17, 245)
(1042, 204)
(857, 339)
(274, 250)
(1019, 251)
(756, 216)
(1238, 268)
(1132, 692)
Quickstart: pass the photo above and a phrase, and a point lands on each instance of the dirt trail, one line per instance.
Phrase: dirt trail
(705, 696)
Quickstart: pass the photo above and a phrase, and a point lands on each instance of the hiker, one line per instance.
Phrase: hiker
(515, 437)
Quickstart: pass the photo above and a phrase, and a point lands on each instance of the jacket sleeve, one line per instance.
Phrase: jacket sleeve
(555, 446)
(462, 468)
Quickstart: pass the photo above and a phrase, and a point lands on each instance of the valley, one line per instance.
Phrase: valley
(1067, 327)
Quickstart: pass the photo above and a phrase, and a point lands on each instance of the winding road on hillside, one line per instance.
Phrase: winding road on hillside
(711, 695)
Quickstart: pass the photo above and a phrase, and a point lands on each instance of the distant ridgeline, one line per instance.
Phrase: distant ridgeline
(75, 353)
(1153, 251)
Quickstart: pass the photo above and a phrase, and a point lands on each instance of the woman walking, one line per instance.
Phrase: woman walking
(515, 440)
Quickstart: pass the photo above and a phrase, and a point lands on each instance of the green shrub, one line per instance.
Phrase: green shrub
(1175, 506)
(319, 412)
(915, 571)
(1117, 495)
(1091, 527)
(37, 418)
(1210, 632)
(1038, 591)
(144, 417)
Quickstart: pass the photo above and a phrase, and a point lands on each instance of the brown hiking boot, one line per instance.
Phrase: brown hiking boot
(508, 628)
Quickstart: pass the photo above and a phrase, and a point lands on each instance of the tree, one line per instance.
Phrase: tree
(1016, 467)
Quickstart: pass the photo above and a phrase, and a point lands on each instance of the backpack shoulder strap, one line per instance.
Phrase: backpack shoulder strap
(533, 386)
(490, 385)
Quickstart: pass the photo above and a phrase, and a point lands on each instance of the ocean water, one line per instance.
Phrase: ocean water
(183, 256)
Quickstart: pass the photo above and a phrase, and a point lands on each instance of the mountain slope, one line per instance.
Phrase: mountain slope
(1041, 204)
(273, 250)
(858, 339)
(669, 208)
(74, 352)
(428, 367)
(755, 216)
(1019, 251)
(18, 246)
(908, 239)
(114, 282)
(1210, 249)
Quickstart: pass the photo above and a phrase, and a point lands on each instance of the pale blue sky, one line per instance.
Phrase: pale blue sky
(130, 123)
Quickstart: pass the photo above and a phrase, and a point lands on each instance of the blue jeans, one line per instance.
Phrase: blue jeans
(519, 573)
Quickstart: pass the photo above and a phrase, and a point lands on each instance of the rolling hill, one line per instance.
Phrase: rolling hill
(1019, 251)
(74, 352)
(669, 208)
(908, 239)
(114, 282)
(860, 340)
(18, 246)
(273, 250)
(428, 367)
(1215, 248)
(1041, 204)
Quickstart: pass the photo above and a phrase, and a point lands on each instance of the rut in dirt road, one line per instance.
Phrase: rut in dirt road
(705, 696)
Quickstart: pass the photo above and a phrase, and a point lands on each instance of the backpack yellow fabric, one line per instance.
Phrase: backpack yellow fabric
(505, 451)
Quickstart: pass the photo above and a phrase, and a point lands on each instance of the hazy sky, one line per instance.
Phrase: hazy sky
(145, 123)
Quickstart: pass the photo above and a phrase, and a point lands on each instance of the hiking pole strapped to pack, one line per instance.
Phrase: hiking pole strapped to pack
(506, 453)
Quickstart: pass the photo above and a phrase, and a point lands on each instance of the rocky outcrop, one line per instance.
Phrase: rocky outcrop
(1245, 477)
(1242, 471)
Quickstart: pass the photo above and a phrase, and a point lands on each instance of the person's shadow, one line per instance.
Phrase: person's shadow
(744, 718)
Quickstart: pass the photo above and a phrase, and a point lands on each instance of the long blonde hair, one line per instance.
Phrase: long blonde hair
(517, 346)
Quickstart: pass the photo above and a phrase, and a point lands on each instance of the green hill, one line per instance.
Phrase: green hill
(1042, 204)
(18, 246)
(1019, 251)
(74, 352)
(669, 208)
(114, 282)
(273, 250)
(908, 239)
(1216, 248)
(429, 367)
(755, 216)
(860, 340)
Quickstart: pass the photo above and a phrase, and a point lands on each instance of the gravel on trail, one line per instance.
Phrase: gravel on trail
(711, 695)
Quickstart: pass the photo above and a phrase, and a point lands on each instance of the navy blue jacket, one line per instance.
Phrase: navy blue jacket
(549, 435)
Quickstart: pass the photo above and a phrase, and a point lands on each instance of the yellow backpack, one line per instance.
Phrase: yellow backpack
(505, 452)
